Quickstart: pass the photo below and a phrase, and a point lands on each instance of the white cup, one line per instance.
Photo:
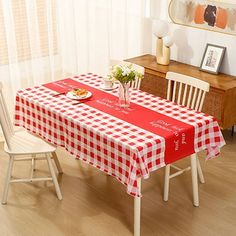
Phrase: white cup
(107, 83)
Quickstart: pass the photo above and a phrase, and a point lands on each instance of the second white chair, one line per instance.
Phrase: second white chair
(190, 92)
(136, 83)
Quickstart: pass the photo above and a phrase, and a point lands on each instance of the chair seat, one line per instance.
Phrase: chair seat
(22, 142)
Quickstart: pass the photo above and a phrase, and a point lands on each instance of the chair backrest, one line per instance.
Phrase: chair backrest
(187, 91)
(137, 82)
(5, 120)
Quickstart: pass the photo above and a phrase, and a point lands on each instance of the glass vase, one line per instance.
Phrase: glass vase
(124, 99)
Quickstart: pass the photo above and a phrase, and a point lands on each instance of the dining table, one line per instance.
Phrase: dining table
(127, 143)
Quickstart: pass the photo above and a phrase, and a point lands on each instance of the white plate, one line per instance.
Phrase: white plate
(71, 95)
(102, 86)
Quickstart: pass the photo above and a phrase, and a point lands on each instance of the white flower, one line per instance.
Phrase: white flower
(126, 71)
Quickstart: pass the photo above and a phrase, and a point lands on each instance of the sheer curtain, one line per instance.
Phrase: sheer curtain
(29, 52)
(93, 31)
(42, 40)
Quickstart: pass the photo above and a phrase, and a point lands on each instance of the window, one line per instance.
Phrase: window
(16, 21)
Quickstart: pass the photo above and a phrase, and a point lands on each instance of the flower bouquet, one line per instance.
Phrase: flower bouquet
(125, 75)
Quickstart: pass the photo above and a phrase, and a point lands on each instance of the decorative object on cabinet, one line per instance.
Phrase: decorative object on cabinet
(212, 58)
(219, 102)
(219, 16)
(164, 42)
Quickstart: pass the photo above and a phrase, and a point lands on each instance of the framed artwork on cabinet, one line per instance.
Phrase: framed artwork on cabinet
(212, 58)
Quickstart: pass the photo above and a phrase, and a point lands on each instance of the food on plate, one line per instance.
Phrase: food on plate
(80, 92)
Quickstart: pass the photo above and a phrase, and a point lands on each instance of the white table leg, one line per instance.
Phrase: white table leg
(166, 183)
(137, 211)
(194, 179)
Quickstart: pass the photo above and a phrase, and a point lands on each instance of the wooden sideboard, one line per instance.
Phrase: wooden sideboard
(220, 101)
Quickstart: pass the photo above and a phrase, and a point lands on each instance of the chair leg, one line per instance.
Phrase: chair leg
(34, 162)
(166, 183)
(59, 169)
(7, 181)
(194, 179)
(199, 171)
(54, 178)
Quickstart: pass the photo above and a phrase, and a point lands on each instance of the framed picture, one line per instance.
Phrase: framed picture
(212, 58)
(213, 15)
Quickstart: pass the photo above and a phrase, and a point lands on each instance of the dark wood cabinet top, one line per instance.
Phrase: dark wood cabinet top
(220, 81)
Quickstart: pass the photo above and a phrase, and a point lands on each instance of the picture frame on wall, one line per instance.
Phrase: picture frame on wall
(212, 58)
(213, 15)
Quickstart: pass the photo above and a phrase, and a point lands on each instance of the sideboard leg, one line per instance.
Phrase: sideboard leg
(232, 131)
(137, 212)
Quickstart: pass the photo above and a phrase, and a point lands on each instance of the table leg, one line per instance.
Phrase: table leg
(194, 179)
(137, 211)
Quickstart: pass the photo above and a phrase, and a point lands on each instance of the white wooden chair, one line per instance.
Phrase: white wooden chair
(190, 92)
(136, 83)
(23, 146)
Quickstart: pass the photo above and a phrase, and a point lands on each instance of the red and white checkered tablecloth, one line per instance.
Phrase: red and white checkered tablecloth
(112, 145)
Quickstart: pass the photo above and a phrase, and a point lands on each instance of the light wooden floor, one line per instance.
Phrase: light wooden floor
(95, 204)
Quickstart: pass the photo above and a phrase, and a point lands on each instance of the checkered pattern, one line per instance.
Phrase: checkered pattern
(114, 146)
